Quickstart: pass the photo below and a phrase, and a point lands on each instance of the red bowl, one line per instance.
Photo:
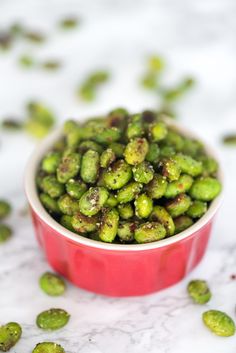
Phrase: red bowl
(115, 269)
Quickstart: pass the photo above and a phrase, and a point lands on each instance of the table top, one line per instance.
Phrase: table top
(196, 38)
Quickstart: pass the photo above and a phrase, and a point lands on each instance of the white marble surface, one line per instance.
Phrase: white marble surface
(197, 37)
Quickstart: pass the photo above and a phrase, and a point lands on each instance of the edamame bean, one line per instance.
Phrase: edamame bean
(199, 291)
(51, 162)
(76, 188)
(181, 223)
(65, 221)
(156, 188)
(49, 203)
(179, 205)
(126, 210)
(68, 205)
(129, 192)
(68, 167)
(52, 319)
(90, 166)
(84, 224)
(5, 209)
(135, 127)
(153, 153)
(143, 172)
(143, 206)
(48, 347)
(197, 209)
(205, 189)
(9, 335)
(219, 323)
(117, 148)
(126, 231)
(52, 187)
(170, 169)
(188, 165)
(182, 185)
(117, 175)
(52, 284)
(5, 233)
(111, 201)
(90, 145)
(109, 225)
(159, 214)
(136, 150)
(93, 200)
(107, 135)
(175, 140)
(157, 131)
(107, 157)
(149, 232)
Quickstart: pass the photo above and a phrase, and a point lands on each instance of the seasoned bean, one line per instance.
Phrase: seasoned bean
(49, 203)
(93, 200)
(109, 225)
(126, 231)
(68, 205)
(52, 187)
(136, 150)
(157, 131)
(205, 189)
(143, 206)
(48, 347)
(197, 209)
(143, 172)
(181, 223)
(156, 188)
(107, 157)
(68, 167)
(51, 162)
(199, 291)
(52, 284)
(9, 335)
(84, 224)
(117, 175)
(52, 319)
(219, 323)
(90, 166)
(159, 214)
(188, 165)
(135, 127)
(111, 201)
(179, 205)
(65, 221)
(170, 169)
(148, 232)
(76, 188)
(90, 145)
(183, 184)
(126, 210)
(153, 153)
(129, 192)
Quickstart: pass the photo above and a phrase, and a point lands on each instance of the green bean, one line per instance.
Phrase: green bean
(125, 231)
(109, 225)
(129, 192)
(48, 347)
(90, 145)
(136, 150)
(68, 205)
(135, 127)
(143, 172)
(76, 188)
(9, 335)
(68, 167)
(84, 224)
(181, 223)
(52, 284)
(183, 184)
(51, 162)
(205, 189)
(153, 153)
(179, 205)
(143, 206)
(157, 131)
(149, 232)
(126, 210)
(170, 169)
(52, 319)
(49, 203)
(197, 209)
(111, 201)
(5, 209)
(159, 214)
(52, 187)
(5, 233)
(90, 166)
(156, 188)
(65, 221)
(117, 175)
(219, 323)
(93, 200)
(188, 165)
(199, 291)
(107, 157)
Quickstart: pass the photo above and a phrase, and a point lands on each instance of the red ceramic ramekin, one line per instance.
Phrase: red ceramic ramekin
(115, 269)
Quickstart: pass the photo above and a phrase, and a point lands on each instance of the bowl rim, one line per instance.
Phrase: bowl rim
(34, 201)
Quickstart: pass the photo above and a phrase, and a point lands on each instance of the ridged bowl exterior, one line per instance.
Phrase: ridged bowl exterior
(121, 273)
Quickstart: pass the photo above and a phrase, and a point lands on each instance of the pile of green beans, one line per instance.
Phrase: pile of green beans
(126, 178)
